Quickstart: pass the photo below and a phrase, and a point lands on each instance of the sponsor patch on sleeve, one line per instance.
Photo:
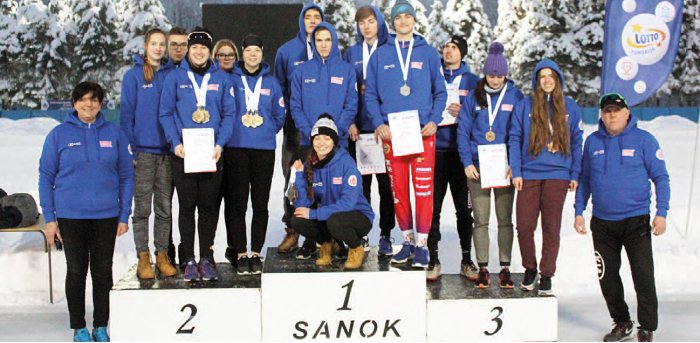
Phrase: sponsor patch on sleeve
(352, 181)
(660, 154)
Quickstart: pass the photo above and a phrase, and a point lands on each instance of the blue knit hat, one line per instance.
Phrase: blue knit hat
(496, 63)
(402, 6)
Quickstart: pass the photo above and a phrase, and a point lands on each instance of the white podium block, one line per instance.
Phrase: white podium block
(457, 311)
(174, 310)
(304, 302)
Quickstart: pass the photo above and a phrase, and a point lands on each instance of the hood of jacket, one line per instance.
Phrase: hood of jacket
(335, 50)
(547, 63)
(302, 29)
(382, 29)
(463, 69)
(73, 119)
(213, 66)
(238, 69)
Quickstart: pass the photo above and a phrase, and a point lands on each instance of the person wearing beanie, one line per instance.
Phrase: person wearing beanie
(197, 95)
(153, 177)
(327, 196)
(459, 81)
(289, 56)
(249, 156)
(405, 75)
(546, 135)
(372, 32)
(619, 161)
(485, 120)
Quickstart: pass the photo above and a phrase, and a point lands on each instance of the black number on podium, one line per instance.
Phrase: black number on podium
(347, 296)
(193, 312)
(499, 321)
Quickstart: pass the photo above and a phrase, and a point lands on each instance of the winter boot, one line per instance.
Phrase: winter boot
(289, 242)
(165, 267)
(325, 255)
(144, 269)
(355, 258)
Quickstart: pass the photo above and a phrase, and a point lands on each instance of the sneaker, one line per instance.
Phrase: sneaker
(99, 334)
(385, 246)
(484, 279)
(545, 285)
(421, 258)
(243, 267)
(528, 283)
(404, 254)
(82, 335)
(191, 272)
(365, 243)
(208, 270)
(644, 335)
(306, 250)
(470, 271)
(256, 265)
(620, 332)
(504, 279)
(433, 272)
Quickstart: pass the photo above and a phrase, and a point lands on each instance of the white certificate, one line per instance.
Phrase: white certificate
(452, 98)
(199, 149)
(370, 155)
(493, 163)
(406, 138)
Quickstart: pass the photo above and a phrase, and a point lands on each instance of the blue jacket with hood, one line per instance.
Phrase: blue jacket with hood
(353, 55)
(292, 54)
(384, 79)
(337, 188)
(86, 171)
(446, 136)
(138, 110)
(324, 86)
(546, 165)
(616, 170)
(271, 108)
(178, 102)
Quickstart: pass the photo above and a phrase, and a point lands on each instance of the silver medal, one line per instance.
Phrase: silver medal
(405, 90)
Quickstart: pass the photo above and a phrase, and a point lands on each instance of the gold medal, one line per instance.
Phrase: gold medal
(490, 136)
(200, 115)
(257, 119)
(247, 120)
(405, 90)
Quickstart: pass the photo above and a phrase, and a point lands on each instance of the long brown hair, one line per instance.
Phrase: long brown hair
(539, 130)
(309, 173)
(149, 71)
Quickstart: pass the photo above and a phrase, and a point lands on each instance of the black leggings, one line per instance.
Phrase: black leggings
(348, 227)
(88, 243)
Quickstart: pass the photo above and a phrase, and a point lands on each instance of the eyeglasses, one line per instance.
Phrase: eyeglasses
(610, 96)
(178, 46)
(226, 56)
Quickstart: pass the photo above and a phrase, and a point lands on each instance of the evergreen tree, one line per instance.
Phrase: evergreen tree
(684, 82)
(340, 14)
(440, 25)
(471, 21)
(9, 47)
(589, 38)
(511, 15)
(62, 43)
(137, 17)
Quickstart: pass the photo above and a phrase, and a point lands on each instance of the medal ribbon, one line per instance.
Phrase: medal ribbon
(366, 54)
(404, 66)
(200, 92)
(493, 112)
(252, 98)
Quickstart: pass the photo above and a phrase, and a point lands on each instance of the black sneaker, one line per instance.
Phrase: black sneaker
(545, 285)
(306, 250)
(504, 279)
(484, 279)
(256, 265)
(620, 332)
(243, 267)
(528, 283)
(644, 335)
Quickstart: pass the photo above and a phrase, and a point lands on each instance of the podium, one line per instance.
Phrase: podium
(171, 309)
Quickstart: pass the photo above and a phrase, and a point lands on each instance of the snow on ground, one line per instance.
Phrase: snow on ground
(24, 286)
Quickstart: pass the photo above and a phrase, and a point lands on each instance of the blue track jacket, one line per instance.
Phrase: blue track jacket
(446, 136)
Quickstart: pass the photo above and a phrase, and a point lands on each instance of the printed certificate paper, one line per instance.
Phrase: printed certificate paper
(370, 155)
(405, 133)
(493, 163)
(452, 98)
(199, 149)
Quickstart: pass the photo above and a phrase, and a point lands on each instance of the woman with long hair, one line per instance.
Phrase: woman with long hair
(226, 53)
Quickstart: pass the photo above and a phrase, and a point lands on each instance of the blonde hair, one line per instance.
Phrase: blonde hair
(226, 42)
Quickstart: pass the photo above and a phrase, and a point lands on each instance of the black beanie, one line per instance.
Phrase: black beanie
(252, 40)
(200, 35)
(461, 44)
(325, 126)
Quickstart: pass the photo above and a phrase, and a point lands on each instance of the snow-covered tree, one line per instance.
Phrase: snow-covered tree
(9, 46)
(341, 14)
(471, 21)
(511, 15)
(589, 37)
(422, 26)
(684, 83)
(63, 40)
(440, 25)
(137, 18)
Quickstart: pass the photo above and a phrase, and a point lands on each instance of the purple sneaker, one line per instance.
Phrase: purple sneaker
(207, 270)
(191, 273)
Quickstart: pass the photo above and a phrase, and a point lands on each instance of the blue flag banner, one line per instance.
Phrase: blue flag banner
(640, 46)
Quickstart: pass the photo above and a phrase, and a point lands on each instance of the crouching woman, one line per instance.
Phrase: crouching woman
(328, 197)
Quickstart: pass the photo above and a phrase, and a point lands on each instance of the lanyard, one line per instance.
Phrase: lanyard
(200, 92)
(366, 54)
(494, 111)
(454, 84)
(404, 66)
(252, 98)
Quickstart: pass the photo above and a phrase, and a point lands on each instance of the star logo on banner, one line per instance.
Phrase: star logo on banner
(637, 28)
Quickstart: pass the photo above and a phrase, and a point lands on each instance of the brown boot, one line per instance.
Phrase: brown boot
(289, 242)
(325, 254)
(355, 258)
(165, 267)
(144, 269)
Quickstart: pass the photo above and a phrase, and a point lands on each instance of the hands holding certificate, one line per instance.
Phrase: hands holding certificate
(473, 174)
(180, 152)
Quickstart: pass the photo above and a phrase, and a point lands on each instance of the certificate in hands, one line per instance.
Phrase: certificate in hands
(452, 98)
(406, 138)
(199, 149)
(370, 155)
(493, 162)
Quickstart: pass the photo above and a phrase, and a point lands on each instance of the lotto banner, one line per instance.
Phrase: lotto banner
(640, 45)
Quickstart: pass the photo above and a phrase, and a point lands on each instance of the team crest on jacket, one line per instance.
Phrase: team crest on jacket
(660, 154)
(281, 101)
(352, 181)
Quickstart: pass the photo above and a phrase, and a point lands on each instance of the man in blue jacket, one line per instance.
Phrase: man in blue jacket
(618, 161)
(291, 54)
(403, 75)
